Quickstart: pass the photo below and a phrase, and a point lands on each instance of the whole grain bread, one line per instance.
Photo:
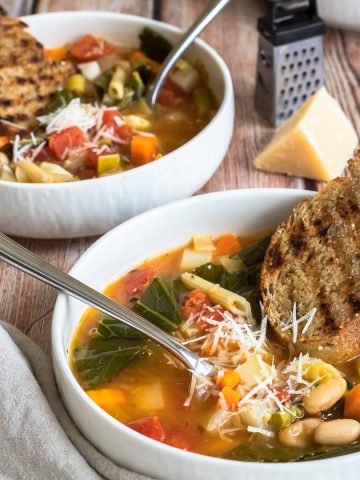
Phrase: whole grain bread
(313, 260)
(27, 78)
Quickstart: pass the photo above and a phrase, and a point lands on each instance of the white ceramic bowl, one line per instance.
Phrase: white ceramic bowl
(119, 251)
(91, 207)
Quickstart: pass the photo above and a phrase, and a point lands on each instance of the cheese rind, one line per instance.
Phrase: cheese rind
(314, 143)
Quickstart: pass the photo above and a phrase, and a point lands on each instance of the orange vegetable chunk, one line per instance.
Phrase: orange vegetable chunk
(111, 400)
(231, 397)
(229, 379)
(4, 140)
(227, 245)
(57, 54)
(352, 404)
(143, 149)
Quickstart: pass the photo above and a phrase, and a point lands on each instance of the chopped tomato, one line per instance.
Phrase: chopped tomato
(150, 427)
(94, 153)
(90, 48)
(194, 303)
(283, 395)
(136, 282)
(66, 140)
(178, 439)
(113, 119)
(213, 313)
(170, 94)
(44, 155)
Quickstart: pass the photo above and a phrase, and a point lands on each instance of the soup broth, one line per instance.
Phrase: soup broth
(238, 414)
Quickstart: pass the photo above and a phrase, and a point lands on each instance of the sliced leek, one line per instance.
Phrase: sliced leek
(220, 296)
(232, 265)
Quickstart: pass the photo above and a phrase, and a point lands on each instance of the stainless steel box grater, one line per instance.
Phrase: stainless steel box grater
(290, 58)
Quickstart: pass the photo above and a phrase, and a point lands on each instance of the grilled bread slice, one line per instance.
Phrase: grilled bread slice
(27, 78)
(313, 260)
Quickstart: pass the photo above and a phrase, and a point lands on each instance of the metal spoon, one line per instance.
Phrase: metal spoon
(205, 18)
(26, 261)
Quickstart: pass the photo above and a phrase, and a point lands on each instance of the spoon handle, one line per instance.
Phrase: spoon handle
(194, 31)
(26, 261)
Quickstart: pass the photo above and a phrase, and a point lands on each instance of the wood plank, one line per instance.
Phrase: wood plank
(233, 34)
(138, 7)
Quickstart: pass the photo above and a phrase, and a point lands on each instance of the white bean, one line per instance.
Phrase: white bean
(300, 434)
(324, 396)
(337, 432)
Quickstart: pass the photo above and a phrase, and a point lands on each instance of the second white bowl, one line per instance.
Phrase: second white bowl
(92, 207)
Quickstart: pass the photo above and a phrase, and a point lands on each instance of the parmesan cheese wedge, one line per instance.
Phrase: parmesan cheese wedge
(314, 143)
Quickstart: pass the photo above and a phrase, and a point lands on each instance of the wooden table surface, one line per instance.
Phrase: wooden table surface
(27, 303)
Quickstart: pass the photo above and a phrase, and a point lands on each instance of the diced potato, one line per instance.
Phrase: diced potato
(253, 371)
(6, 174)
(255, 415)
(148, 398)
(203, 243)
(90, 70)
(192, 259)
(187, 78)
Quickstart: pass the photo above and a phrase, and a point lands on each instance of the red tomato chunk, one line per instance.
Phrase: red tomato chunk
(137, 281)
(112, 119)
(66, 140)
(194, 303)
(150, 427)
(90, 48)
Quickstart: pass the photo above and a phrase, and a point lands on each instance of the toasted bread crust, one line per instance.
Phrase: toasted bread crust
(27, 78)
(313, 260)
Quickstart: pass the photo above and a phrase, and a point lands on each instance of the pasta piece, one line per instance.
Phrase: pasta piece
(232, 302)
(203, 243)
(116, 88)
(135, 121)
(192, 259)
(33, 173)
(59, 174)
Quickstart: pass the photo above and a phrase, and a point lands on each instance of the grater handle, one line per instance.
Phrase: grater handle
(289, 8)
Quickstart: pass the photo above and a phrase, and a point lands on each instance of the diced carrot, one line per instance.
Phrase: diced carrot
(227, 245)
(231, 397)
(4, 140)
(138, 55)
(57, 54)
(229, 378)
(352, 403)
(143, 149)
(111, 400)
(150, 427)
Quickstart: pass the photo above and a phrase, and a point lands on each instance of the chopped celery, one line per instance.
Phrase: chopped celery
(60, 99)
(203, 100)
(282, 419)
(154, 45)
(144, 70)
(136, 84)
(108, 162)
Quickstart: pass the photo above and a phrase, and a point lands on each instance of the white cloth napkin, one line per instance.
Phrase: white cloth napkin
(38, 440)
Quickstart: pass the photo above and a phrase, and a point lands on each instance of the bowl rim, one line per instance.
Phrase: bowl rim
(60, 356)
(227, 97)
